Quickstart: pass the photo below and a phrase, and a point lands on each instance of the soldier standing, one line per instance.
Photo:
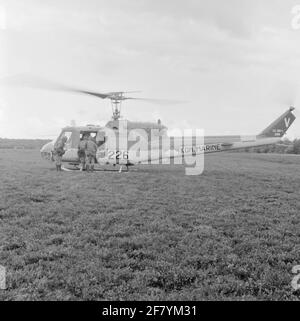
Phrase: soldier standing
(59, 152)
(82, 152)
(91, 149)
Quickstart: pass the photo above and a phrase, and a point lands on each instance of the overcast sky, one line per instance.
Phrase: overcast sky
(235, 62)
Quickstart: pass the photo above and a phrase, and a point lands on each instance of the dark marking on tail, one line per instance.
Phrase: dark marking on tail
(279, 127)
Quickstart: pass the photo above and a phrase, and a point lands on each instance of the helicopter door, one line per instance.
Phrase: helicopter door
(100, 138)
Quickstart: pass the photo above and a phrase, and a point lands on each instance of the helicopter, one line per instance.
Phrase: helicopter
(126, 143)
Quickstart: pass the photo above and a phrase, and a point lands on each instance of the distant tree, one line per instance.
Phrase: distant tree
(296, 146)
(290, 150)
(286, 141)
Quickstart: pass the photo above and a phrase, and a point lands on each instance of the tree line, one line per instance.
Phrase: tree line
(286, 146)
(6, 143)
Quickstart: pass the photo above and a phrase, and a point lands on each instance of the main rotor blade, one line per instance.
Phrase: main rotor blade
(99, 95)
(123, 92)
(158, 101)
(41, 83)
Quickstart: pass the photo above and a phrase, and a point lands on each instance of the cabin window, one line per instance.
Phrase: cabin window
(88, 134)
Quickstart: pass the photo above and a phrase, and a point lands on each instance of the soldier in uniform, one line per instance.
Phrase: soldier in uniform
(82, 152)
(91, 149)
(59, 152)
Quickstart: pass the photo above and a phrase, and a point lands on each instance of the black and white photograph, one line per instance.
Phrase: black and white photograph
(149, 151)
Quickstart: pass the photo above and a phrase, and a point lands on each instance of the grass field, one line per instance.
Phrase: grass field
(153, 234)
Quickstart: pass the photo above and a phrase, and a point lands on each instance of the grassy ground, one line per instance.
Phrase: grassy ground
(231, 233)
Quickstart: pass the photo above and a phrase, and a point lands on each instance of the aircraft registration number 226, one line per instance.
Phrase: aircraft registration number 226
(117, 154)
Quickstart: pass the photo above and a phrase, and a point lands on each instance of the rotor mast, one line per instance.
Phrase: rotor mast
(116, 103)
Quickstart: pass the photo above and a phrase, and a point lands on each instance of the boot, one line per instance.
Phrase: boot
(59, 167)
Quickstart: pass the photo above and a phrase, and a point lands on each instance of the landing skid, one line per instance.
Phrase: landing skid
(98, 169)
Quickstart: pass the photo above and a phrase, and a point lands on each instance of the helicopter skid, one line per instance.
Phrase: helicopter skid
(121, 169)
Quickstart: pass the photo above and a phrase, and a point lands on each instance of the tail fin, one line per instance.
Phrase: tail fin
(279, 127)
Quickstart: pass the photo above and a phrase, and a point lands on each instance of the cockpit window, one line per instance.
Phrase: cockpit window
(71, 138)
(68, 135)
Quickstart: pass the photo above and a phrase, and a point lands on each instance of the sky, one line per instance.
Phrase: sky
(234, 64)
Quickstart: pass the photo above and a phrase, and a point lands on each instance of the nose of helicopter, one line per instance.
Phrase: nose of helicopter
(46, 151)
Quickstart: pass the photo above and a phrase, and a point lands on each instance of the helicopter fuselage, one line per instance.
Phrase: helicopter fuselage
(129, 143)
